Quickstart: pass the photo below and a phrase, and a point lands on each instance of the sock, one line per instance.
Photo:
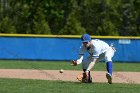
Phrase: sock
(109, 67)
(89, 74)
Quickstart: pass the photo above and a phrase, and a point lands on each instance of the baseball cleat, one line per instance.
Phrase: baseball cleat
(85, 75)
(90, 80)
(86, 78)
(109, 77)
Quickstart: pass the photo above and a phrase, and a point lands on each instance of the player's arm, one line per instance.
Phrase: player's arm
(78, 61)
(80, 57)
(90, 66)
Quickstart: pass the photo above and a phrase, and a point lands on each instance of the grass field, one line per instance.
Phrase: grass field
(46, 86)
(52, 65)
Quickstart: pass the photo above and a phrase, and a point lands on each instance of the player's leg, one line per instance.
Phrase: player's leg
(108, 66)
(109, 72)
(108, 58)
(85, 64)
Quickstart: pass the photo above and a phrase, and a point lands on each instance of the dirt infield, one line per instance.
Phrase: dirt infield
(98, 76)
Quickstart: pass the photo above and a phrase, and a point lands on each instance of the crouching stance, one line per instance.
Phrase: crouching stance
(98, 50)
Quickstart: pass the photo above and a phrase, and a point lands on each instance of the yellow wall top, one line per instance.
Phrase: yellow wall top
(69, 36)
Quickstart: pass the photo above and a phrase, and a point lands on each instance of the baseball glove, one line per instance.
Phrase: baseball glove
(73, 63)
(79, 77)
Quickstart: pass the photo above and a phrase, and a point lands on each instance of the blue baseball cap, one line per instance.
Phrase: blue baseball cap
(85, 38)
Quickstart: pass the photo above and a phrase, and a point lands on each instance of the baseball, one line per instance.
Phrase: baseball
(61, 70)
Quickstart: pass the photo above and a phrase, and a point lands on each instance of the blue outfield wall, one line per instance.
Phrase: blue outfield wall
(59, 48)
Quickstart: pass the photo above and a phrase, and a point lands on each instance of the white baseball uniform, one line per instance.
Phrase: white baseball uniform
(98, 49)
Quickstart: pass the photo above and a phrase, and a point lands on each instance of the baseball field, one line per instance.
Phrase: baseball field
(44, 77)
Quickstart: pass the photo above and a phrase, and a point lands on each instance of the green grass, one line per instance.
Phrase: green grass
(44, 86)
(51, 65)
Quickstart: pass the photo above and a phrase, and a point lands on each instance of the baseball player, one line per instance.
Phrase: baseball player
(97, 50)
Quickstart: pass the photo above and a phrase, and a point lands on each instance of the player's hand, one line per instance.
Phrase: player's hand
(73, 63)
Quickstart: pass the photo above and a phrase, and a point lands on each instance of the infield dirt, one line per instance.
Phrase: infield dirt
(69, 75)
